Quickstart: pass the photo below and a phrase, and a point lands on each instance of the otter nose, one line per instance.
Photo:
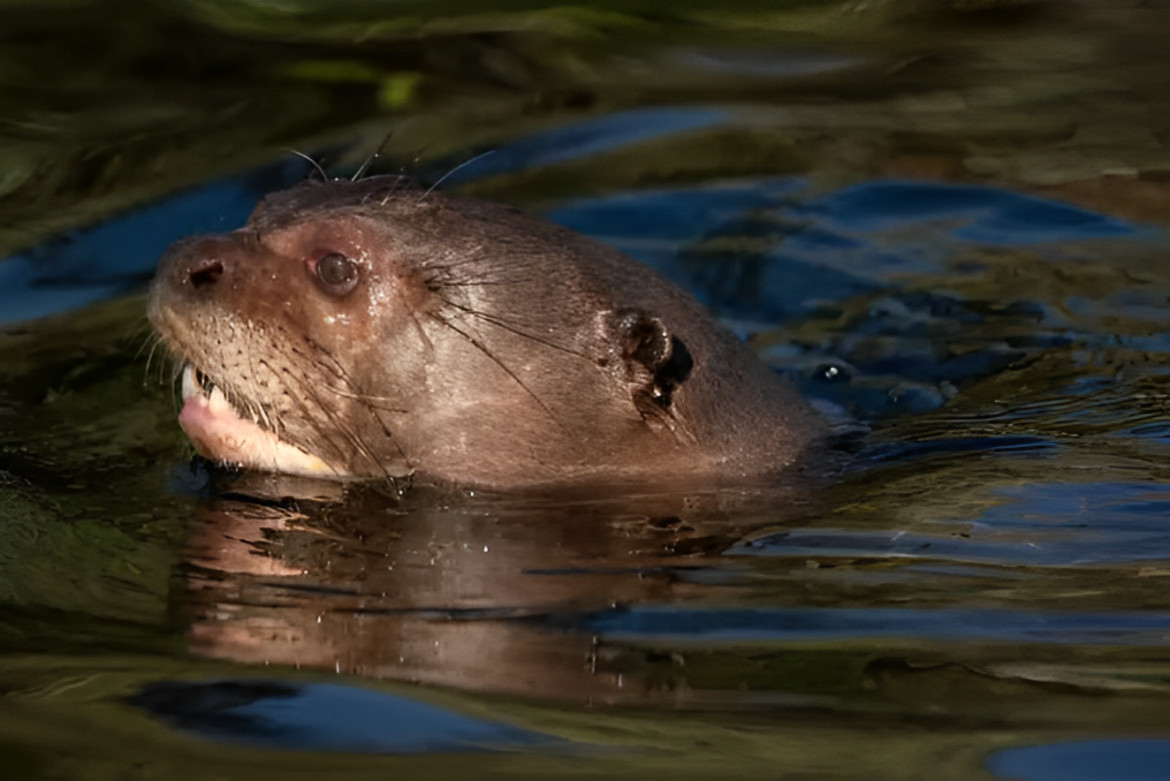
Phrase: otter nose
(204, 271)
(199, 263)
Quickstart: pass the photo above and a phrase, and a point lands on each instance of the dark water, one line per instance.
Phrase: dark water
(946, 221)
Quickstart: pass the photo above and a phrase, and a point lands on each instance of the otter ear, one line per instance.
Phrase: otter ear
(656, 360)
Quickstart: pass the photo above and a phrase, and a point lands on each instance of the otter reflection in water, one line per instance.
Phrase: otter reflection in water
(372, 329)
(493, 594)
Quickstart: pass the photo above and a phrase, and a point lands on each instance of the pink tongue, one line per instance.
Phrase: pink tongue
(221, 435)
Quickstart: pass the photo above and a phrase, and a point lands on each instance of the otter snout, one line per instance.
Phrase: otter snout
(198, 264)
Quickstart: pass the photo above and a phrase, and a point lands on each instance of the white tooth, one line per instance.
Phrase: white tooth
(217, 402)
(190, 387)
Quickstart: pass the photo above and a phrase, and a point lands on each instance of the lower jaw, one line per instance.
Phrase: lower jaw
(221, 435)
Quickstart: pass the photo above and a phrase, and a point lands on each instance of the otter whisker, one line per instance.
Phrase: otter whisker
(154, 343)
(363, 448)
(302, 392)
(253, 362)
(144, 336)
(176, 373)
(291, 392)
(151, 343)
(260, 412)
(348, 433)
(500, 323)
(394, 441)
(477, 344)
(445, 176)
(311, 161)
(340, 372)
(349, 389)
(355, 440)
(436, 265)
(399, 185)
(365, 166)
(372, 401)
(320, 352)
(269, 419)
(445, 277)
(481, 283)
(328, 363)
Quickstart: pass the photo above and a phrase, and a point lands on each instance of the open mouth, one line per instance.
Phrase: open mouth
(218, 432)
(196, 384)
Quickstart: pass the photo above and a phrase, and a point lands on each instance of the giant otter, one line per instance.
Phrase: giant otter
(372, 329)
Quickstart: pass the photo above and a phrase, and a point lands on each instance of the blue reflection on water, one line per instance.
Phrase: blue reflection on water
(90, 265)
(593, 136)
(1117, 506)
(1036, 524)
(801, 252)
(1086, 760)
(684, 624)
(980, 214)
(323, 717)
(672, 215)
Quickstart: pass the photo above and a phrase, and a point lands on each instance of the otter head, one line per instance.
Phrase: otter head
(371, 329)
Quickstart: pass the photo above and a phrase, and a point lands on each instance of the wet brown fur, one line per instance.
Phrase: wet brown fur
(481, 346)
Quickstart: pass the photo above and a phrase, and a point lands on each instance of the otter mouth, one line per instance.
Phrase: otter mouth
(221, 433)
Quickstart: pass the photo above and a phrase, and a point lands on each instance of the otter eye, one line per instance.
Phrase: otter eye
(337, 273)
